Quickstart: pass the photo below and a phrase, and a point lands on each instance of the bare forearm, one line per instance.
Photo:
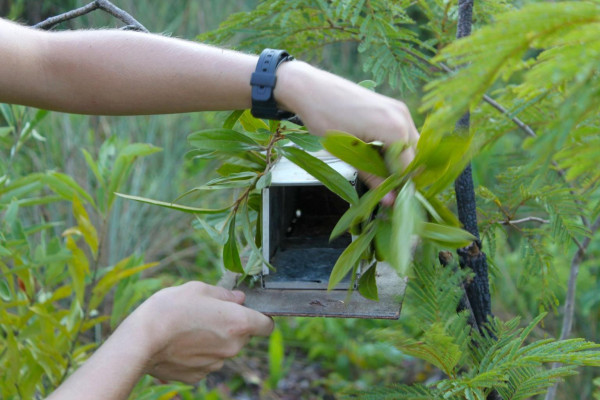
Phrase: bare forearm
(119, 72)
(111, 373)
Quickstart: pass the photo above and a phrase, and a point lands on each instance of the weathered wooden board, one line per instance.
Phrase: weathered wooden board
(323, 303)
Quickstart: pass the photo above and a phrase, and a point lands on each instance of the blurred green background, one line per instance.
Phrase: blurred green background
(307, 358)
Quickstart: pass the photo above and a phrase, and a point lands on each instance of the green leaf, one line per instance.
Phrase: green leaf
(323, 172)
(222, 140)
(264, 181)
(85, 226)
(239, 179)
(232, 119)
(5, 131)
(383, 240)
(231, 256)
(66, 187)
(119, 272)
(276, 357)
(139, 150)
(367, 285)
(93, 166)
(78, 269)
(365, 206)
(252, 124)
(350, 257)
(404, 223)
(446, 236)
(355, 152)
(179, 207)
(305, 140)
(4, 290)
(368, 84)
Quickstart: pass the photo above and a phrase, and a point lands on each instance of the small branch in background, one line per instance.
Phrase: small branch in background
(104, 5)
(569, 312)
(524, 127)
(78, 12)
(523, 220)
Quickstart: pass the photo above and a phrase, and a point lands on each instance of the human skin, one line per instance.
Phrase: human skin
(180, 333)
(113, 72)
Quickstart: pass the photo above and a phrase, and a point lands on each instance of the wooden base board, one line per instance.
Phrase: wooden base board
(323, 303)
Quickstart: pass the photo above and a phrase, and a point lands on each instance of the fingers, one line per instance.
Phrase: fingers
(220, 293)
(259, 324)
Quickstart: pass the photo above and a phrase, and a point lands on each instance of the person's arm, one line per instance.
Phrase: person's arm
(112, 72)
(180, 333)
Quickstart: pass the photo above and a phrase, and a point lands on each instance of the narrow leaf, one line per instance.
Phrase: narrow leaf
(404, 222)
(365, 206)
(447, 236)
(223, 140)
(305, 140)
(179, 207)
(323, 172)
(355, 152)
(231, 256)
(350, 257)
(367, 285)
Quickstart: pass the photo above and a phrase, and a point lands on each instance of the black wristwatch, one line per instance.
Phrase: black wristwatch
(263, 83)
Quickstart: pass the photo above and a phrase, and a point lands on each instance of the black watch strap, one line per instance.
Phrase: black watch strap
(263, 83)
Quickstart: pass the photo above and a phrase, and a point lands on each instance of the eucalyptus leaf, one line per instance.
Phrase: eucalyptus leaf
(232, 119)
(447, 236)
(351, 255)
(383, 240)
(367, 285)
(222, 140)
(365, 206)
(139, 150)
(404, 223)
(231, 256)
(251, 123)
(355, 152)
(264, 181)
(323, 172)
(179, 207)
(305, 140)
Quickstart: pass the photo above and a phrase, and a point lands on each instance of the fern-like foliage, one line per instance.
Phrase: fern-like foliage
(392, 47)
(476, 361)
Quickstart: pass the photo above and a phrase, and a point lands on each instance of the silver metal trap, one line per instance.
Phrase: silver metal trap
(298, 215)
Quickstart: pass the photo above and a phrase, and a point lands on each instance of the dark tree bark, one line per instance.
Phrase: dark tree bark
(472, 257)
(477, 290)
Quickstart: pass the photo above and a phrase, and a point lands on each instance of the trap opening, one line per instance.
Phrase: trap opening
(297, 222)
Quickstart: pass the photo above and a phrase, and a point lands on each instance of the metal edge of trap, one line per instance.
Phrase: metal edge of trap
(323, 303)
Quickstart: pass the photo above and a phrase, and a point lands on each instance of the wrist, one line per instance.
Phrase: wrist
(294, 83)
(134, 340)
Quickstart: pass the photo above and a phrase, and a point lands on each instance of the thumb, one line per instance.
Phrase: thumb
(220, 293)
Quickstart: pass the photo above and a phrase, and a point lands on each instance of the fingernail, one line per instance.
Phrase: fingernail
(388, 199)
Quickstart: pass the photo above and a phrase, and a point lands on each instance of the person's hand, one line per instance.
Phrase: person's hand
(325, 101)
(188, 331)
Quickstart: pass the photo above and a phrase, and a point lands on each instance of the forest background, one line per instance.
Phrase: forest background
(531, 231)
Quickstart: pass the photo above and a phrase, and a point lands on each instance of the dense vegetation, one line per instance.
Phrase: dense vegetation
(75, 259)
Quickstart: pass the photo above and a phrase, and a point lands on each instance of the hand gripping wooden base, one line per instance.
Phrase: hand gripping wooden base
(323, 303)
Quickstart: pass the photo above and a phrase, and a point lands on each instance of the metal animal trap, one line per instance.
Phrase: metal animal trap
(298, 215)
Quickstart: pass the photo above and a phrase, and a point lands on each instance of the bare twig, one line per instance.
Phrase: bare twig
(78, 12)
(569, 312)
(104, 5)
(523, 220)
